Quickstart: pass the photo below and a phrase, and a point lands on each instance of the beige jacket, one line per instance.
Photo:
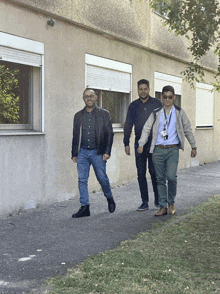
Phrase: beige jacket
(183, 128)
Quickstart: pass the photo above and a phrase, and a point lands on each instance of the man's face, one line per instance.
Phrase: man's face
(89, 98)
(168, 98)
(143, 91)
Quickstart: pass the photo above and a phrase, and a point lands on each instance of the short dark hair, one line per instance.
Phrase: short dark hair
(168, 89)
(143, 81)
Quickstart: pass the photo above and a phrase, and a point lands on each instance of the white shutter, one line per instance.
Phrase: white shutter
(162, 80)
(204, 105)
(19, 56)
(20, 50)
(107, 79)
(107, 74)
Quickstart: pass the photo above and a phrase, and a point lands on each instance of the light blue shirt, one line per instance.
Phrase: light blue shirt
(170, 128)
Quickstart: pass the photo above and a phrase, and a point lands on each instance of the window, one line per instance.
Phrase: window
(204, 105)
(21, 84)
(111, 81)
(14, 93)
(161, 80)
(116, 103)
(162, 7)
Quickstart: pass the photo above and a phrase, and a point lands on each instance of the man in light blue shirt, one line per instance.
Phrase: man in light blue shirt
(168, 125)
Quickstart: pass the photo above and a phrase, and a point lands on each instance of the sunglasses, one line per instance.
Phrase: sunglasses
(167, 97)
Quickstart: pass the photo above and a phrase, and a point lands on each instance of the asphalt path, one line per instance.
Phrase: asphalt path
(45, 242)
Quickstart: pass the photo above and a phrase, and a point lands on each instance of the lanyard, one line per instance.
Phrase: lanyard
(165, 118)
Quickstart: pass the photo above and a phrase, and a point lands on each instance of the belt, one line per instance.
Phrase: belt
(166, 146)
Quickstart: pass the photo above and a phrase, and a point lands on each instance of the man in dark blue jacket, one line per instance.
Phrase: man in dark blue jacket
(138, 112)
(91, 145)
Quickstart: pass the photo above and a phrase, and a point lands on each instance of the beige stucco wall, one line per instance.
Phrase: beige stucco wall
(48, 174)
(130, 20)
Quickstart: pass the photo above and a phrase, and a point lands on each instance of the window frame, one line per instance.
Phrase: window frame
(19, 50)
(159, 9)
(124, 103)
(161, 80)
(114, 67)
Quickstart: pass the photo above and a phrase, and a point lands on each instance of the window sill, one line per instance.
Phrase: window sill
(20, 133)
(204, 128)
(162, 16)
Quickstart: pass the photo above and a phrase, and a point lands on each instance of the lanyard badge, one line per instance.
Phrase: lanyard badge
(164, 133)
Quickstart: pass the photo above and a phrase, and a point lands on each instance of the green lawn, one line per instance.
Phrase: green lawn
(177, 257)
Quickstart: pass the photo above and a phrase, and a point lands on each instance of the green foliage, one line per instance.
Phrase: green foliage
(199, 21)
(9, 95)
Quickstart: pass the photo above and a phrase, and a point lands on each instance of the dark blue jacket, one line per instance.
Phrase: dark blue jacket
(137, 115)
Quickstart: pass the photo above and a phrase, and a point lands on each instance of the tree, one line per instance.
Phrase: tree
(9, 95)
(199, 21)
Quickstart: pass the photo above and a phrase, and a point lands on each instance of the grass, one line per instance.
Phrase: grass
(177, 257)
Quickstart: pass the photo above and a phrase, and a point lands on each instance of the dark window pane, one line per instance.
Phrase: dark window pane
(14, 93)
(116, 103)
(112, 102)
(177, 101)
(161, 5)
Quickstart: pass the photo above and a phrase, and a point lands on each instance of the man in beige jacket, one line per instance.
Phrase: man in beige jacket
(168, 124)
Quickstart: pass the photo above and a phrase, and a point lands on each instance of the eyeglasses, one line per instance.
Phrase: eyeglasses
(167, 97)
(88, 96)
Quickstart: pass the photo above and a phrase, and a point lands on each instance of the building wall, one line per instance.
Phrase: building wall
(130, 20)
(37, 169)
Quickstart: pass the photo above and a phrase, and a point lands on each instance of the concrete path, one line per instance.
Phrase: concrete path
(45, 242)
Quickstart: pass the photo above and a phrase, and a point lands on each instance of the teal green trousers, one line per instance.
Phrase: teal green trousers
(165, 163)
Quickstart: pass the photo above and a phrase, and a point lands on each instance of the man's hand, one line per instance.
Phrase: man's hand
(140, 149)
(105, 157)
(193, 153)
(127, 150)
(74, 159)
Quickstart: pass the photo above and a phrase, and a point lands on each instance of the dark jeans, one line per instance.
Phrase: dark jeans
(141, 164)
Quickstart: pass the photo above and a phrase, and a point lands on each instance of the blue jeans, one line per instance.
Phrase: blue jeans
(165, 164)
(141, 164)
(86, 158)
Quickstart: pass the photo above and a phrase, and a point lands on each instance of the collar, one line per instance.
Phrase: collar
(171, 110)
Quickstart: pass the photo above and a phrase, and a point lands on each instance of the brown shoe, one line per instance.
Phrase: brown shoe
(172, 209)
(161, 212)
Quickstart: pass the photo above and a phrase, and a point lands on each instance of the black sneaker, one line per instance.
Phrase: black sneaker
(144, 206)
(83, 211)
(111, 204)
